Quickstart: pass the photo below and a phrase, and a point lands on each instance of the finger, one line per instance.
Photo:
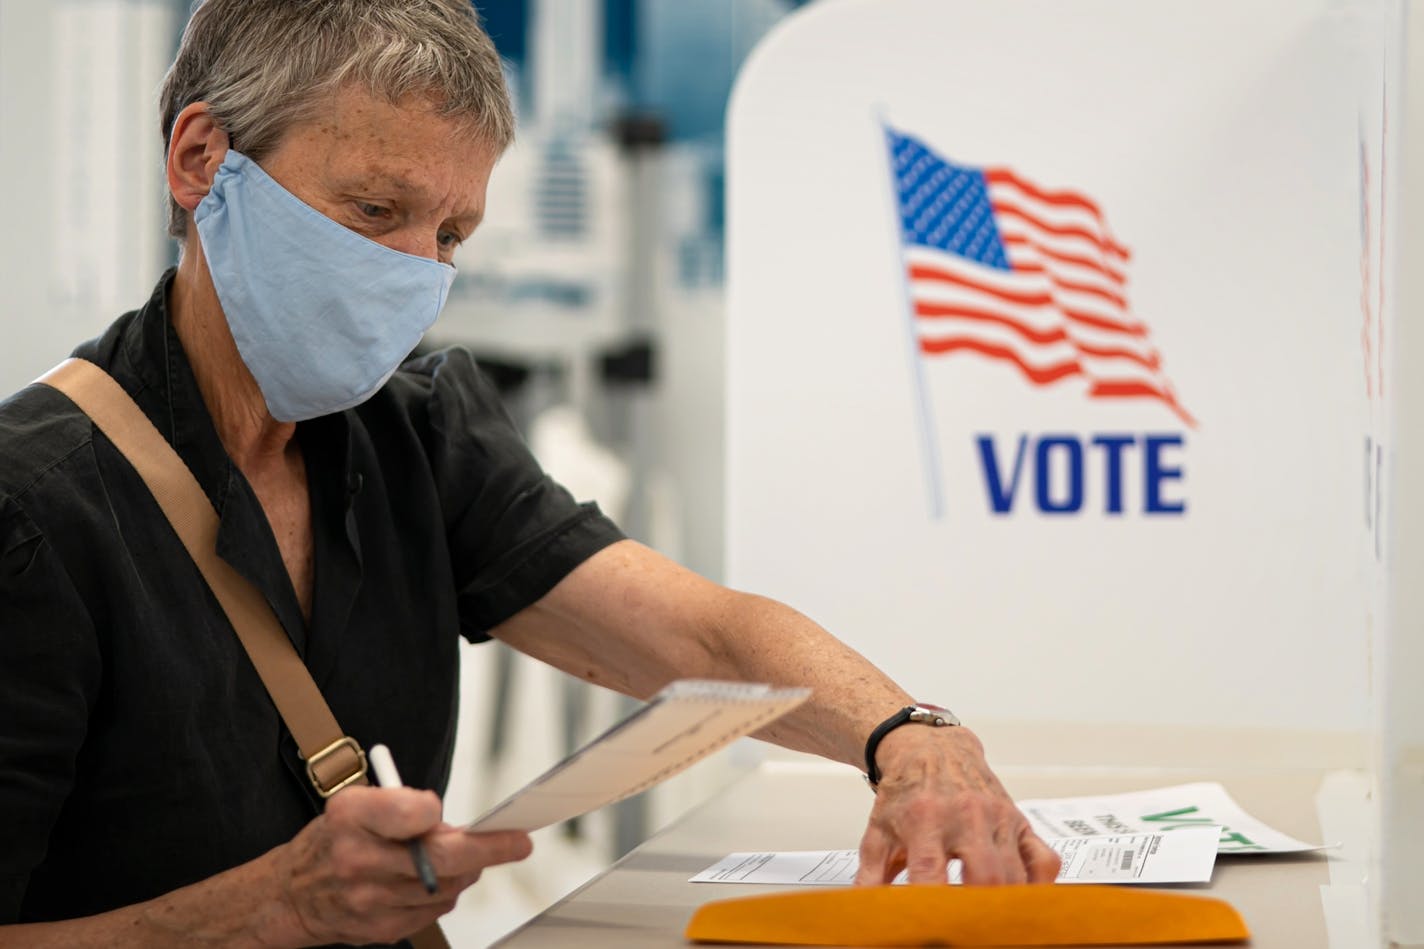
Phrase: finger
(505, 846)
(355, 854)
(389, 813)
(1006, 843)
(982, 864)
(1042, 862)
(875, 859)
(458, 852)
(405, 888)
(926, 859)
(410, 893)
(401, 890)
(456, 858)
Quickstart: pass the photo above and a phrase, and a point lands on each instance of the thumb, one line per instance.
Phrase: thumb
(392, 813)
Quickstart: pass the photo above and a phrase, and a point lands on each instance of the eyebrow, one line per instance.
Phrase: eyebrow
(375, 180)
(381, 181)
(389, 180)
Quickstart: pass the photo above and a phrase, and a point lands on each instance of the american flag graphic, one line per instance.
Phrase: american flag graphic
(1004, 269)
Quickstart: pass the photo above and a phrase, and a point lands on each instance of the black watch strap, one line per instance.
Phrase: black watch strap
(921, 714)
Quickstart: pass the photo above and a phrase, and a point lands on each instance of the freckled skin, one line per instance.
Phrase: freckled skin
(425, 171)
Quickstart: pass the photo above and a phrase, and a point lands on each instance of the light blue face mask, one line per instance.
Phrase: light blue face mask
(321, 315)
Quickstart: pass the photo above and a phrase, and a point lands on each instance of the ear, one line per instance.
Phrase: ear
(195, 150)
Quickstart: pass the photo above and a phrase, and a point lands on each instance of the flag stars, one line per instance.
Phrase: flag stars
(942, 205)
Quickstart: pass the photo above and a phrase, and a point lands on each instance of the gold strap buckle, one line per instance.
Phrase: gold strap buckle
(344, 742)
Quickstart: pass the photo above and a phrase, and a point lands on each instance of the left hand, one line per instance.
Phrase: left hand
(938, 800)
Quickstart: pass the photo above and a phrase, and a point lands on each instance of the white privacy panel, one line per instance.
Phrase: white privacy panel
(1048, 357)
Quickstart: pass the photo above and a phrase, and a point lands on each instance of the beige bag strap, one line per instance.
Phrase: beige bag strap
(334, 760)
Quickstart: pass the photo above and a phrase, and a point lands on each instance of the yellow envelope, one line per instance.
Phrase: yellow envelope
(934, 915)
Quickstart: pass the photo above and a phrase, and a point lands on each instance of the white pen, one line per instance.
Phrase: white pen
(385, 767)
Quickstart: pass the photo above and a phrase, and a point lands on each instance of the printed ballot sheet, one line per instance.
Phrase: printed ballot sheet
(681, 725)
(1168, 809)
(1185, 856)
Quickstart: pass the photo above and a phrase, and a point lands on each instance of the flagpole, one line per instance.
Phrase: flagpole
(929, 443)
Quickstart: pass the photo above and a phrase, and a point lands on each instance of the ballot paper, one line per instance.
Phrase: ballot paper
(1185, 856)
(681, 725)
(1163, 809)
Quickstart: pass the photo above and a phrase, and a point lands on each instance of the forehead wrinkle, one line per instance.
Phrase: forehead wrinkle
(378, 180)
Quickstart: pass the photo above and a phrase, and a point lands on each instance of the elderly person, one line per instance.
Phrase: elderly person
(325, 159)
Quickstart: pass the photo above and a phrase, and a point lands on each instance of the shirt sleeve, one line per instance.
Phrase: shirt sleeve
(49, 678)
(513, 531)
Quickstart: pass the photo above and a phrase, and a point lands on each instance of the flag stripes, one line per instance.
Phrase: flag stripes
(1004, 269)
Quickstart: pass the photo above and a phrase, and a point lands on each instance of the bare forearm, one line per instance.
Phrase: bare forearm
(239, 909)
(632, 620)
(767, 641)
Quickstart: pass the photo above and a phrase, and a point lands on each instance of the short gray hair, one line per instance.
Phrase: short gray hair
(265, 65)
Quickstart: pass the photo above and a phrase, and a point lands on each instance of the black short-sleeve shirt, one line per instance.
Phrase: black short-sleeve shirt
(139, 752)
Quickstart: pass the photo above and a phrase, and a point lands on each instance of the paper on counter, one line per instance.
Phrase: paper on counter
(1185, 856)
(1170, 809)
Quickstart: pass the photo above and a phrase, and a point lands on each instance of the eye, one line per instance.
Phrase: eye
(373, 211)
(449, 240)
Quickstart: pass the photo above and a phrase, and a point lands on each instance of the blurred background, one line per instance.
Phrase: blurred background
(593, 293)
(596, 279)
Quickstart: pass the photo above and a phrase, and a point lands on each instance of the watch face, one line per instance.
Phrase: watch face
(933, 714)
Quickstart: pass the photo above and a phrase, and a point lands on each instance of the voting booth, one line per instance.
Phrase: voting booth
(1068, 363)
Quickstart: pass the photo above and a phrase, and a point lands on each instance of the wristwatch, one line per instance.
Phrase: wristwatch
(923, 713)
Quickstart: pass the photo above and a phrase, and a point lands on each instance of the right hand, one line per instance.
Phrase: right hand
(348, 876)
